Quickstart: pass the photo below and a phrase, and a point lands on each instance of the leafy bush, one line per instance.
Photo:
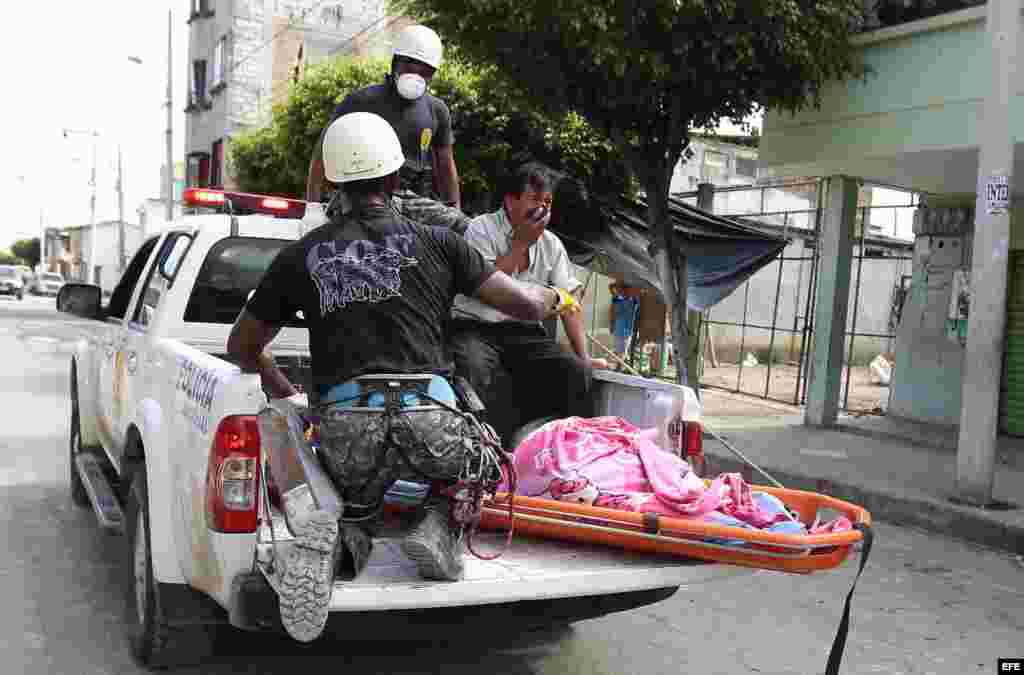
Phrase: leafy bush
(8, 258)
(491, 133)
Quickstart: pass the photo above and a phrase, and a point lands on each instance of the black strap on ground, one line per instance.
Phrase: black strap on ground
(835, 657)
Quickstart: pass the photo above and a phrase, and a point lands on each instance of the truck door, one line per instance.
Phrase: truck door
(137, 363)
(108, 352)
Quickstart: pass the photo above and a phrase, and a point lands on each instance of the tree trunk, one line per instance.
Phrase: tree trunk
(671, 265)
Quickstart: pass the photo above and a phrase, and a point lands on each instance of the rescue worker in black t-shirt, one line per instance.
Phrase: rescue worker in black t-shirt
(421, 120)
(375, 290)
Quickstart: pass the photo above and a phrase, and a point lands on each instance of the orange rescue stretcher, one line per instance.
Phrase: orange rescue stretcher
(654, 533)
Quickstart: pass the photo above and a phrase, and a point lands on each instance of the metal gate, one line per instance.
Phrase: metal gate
(758, 341)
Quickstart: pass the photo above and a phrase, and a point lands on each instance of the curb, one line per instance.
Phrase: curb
(907, 438)
(930, 514)
(917, 441)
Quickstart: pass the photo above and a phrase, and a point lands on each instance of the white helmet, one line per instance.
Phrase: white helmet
(420, 43)
(361, 146)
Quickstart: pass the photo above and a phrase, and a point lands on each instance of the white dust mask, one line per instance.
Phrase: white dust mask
(411, 86)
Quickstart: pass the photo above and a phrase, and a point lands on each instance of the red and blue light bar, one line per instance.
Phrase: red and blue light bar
(244, 202)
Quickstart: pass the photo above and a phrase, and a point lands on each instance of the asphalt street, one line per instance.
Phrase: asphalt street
(926, 604)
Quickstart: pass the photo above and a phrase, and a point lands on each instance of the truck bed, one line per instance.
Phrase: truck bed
(531, 569)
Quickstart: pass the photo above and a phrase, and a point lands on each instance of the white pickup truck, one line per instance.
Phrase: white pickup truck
(164, 445)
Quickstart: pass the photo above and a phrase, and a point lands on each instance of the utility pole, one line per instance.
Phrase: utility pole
(90, 270)
(92, 202)
(42, 241)
(170, 127)
(121, 262)
(983, 356)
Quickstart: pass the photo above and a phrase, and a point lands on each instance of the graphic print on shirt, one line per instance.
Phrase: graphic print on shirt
(363, 271)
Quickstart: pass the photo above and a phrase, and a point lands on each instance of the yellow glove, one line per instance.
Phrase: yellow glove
(567, 303)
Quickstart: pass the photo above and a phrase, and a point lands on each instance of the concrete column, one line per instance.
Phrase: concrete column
(979, 416)
(833, 295)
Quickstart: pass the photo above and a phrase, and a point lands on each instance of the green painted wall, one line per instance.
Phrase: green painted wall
(924, 91)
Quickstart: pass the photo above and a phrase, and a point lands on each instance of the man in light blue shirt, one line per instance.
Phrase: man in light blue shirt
(625, 307)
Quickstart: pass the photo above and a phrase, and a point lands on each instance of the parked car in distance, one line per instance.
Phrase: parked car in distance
(27, 275)
(47, 283)
(10, 282)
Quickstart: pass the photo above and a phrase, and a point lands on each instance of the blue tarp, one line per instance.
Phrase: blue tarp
(612, 235)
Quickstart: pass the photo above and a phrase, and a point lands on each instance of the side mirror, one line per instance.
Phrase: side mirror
(80, 299)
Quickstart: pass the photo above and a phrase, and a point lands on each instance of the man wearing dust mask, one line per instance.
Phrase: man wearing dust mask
(421, 120)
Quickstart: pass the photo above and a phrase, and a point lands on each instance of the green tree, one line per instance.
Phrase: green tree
(647, 72)
(27, 250)
(275, 159)
(491, 132)
(8, 258)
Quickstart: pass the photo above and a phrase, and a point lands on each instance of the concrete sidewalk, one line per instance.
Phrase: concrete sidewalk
(901, 472)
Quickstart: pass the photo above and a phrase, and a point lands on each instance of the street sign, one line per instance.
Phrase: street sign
(997, 194)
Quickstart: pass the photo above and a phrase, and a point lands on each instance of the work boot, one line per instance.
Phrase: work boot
(434, 545)
(354, 551)
(298, 506)
(307, 575)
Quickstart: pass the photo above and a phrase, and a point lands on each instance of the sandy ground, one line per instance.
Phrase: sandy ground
(865, 396)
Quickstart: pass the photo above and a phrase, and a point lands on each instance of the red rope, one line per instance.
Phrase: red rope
(510, 477)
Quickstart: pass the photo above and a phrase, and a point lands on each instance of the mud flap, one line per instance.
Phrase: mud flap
(254, 605)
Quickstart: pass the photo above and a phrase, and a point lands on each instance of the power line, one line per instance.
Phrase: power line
(368, 27)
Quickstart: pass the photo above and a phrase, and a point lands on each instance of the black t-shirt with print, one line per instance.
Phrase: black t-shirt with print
(421, 126)
(375, 290)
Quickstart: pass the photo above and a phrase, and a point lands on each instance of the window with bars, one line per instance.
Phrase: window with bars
(217, 164)
(198, 170)
(197, 88)
(200, 8)
(714, 167)
(218, 76)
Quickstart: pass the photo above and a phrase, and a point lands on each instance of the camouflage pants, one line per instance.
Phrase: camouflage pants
(423, 210)
(365, 451)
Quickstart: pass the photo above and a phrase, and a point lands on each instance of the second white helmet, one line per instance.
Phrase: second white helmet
(420, 43)
(361, 146)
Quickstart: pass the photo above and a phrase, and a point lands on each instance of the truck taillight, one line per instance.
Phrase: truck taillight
(688, 437)
(232, 476)
(694, 440)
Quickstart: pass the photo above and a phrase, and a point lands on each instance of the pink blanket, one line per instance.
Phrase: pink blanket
(606, 461)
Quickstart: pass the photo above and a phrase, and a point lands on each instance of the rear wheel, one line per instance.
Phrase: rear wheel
(78, 494)
(154, 642)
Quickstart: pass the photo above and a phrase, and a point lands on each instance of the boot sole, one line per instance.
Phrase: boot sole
(429, 565)
(309, 579)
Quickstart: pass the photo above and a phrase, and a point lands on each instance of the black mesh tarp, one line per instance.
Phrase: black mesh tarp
(612, 236)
